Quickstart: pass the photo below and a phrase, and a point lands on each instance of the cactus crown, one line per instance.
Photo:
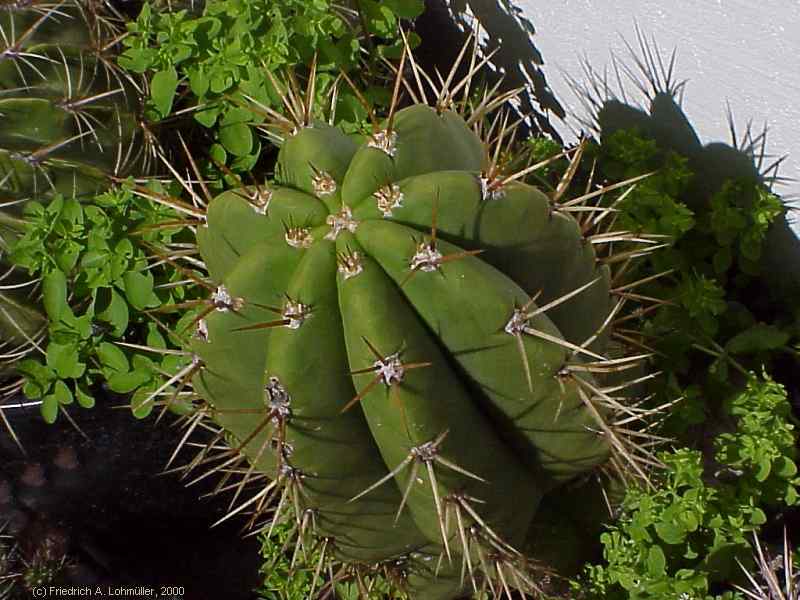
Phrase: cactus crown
(406, 348)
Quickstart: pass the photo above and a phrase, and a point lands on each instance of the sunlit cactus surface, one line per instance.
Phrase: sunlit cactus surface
(407, 350)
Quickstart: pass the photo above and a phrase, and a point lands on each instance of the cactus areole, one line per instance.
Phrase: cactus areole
(398, 343)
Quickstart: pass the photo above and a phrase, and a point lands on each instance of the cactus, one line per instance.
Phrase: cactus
(411, 347)
(68, 121)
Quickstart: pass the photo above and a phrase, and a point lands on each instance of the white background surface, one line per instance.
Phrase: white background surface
(744, 52)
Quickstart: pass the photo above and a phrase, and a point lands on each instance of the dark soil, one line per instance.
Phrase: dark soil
(102, 503)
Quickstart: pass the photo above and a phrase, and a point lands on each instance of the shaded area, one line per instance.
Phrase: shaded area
(444, 28)
(714, 165)
(102, 504)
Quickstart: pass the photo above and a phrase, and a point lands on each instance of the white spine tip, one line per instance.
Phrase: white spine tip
(323, 184)
(341, 221)
(388, 198)
(385, 141)
(427, 258)
(350, 265)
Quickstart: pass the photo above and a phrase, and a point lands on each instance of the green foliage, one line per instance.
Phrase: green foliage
(714, 324)
(653, 205)
(543, 149)
(762, 449)
(283, 580)
(97, 283)
(69, 120)
(688, 531)
(226, 54)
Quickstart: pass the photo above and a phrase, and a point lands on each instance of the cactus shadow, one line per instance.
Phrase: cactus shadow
(657, 113)
(444, 28)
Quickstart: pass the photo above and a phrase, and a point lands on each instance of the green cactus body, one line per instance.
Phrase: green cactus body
(67, 121)
(374, 349)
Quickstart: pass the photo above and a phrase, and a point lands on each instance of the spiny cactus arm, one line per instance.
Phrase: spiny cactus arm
(334, 451)
(238, 220)
(29, 122)
(19, 325)
(41, 21)
(64, 102)
(283, 403)
(431, 577)
(543, 250)
(36, 176)
(419, 141)
(480, 316)
(423, 417)
(233, 356)
(314, 160)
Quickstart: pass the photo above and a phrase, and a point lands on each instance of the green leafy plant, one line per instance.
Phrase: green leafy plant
(710, 327)
(287, 578)
(227, 54)
(762, 449)
(98, 286)
(675, 540)
(69, 121)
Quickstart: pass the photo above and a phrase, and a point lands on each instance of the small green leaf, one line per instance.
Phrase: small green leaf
(785, 467)
(85, 399)
(83, 325)
(235, 133)
(94, 258)
(656, 561)
(154, 337)
(207, 117)
(764, 468)
(64, 359)
(758, 517)
(759, 338)
(124, 248)
(162, 90)
(670, 533)
(198, 82)
(36, 371)
(62, 393)
(49, 408)
(139, 407)
(112, 357)
(139, 289)
(237, 138)
(182, 406)
(123, 383)
(54, 293)
(111, 307)
(138, 60)
(33, 390)
(217, 152)
(66, 256)
(406, 9)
